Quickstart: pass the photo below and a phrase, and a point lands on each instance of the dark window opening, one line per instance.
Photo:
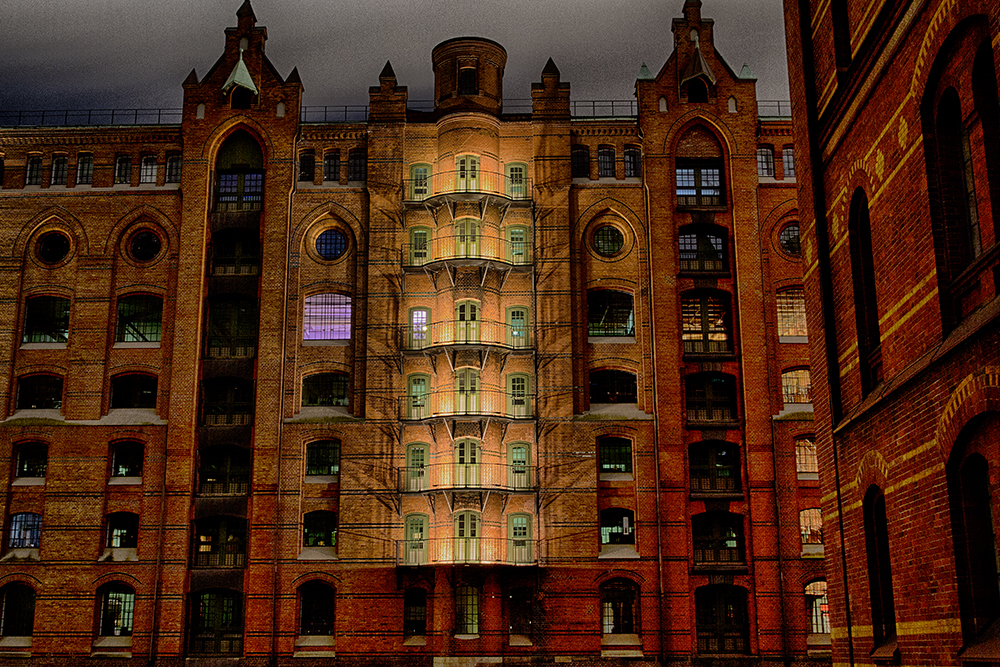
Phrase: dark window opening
(224, 471)
(619, 608)
(220, 542)
(18, 610)
(232, 328)
(60, 170)
(216, 623)
(710, 397)
(323, 458)
(144, 245)
(316, 609)
(715, 467)
(466, 610)
(31, 459)
(307, 167)
(173, 168)
(697, 91)
(633, 162)
(613, 387)
(357, 164)
(126, 459)
(468, 83)
(117, 603)
(84, 169)
(614, 455)
(46, 319)
(610, 313)
(52, 247)
(228, 402)
(326, 389)
(123, 531)
(133, 390)
(580, 161)
(702, 249)
(617, 526)
(319, 529)
(39, 392)
(415, 612)
(235, 253)
(331, 244)
(606, 162)
(865, 302)
(880, 567)
(33, 171)
(123, 169)
(721, 619)
(718, 538)
(331, 166)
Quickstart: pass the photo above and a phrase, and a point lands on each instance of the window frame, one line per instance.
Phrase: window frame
(30, 460)
(706, 461)
(46, 319)
(614, 456)
(33, 385)
(331, 166)
(701, 397)
(330, 389)
(209, 611)
(605, 161)
(139, 318)
(60, 170)
(694, 257)
(24, 531)
(123, 170)
(327, 317)
(319, 530)
(126, 469)
(17, 602)
(33, 170)
(604, 302)
(712, 313)
(357, 165)
(722, 623)
(796, 385)
(317, 609)
(148, 168)
(580, 161)
(700, 190)
(765, 162)
(84, 169)
(133, 391)
(632, 162)
(322, 458)
(620, 607)
(718, 539)
(616, 385)
(467, 599)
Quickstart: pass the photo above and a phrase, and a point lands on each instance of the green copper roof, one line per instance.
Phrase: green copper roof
(644, 73)
(698, 66)
(240, 76)
(747, 73)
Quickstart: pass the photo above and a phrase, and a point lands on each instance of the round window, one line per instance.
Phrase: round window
(608, 240)
(144, 245)
(789, 240)
(52, 247)
(331, 244)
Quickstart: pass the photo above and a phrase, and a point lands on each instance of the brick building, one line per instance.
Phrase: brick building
(460, 382)
(900, 192)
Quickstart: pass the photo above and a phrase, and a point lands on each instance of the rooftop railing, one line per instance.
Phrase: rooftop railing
(69, 117)
(774, 108)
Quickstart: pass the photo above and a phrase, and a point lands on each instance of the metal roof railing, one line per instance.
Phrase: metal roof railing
(69, 117)
(774, 108)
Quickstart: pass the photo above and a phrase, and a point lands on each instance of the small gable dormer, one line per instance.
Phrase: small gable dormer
(692, 40)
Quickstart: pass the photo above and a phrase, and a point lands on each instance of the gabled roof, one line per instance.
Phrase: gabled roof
(240, 76)
(696, 67)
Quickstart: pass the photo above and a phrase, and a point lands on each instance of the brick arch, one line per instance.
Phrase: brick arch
(330, 210)
(116, 577)
(636, 578)
(213, 142)
(608, 208)
(710, 122)
(21, 578)
(946, 28)
(871, 469)
(145, 212)
(978, 393)
(54, 217)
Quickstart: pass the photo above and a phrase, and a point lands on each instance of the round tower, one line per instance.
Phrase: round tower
(468, 75)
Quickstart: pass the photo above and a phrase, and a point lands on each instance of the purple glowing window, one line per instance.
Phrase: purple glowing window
(327, 317)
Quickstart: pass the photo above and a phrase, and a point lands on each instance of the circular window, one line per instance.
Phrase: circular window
(144, 245)
(52, 247)
(331, 244)
(789, 240)
(608, 240)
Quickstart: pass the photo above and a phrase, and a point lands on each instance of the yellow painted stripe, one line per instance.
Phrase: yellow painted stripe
(827, 95)
(913, 479)
(817, 16)
(911, 312)
(899, 165)
(848, 352)
(863, 25)
(906, 297)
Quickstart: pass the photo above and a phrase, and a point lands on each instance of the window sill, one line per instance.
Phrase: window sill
(615, 411)
(792, 408)
(43, 346)
(818, 645)
(611, 340)
(135, 345)
(318, 553)
(887, 653)
(812, 551)
(618, 551)
(53, 414)
(9, 647)
(615, 477)
(716, 495)
(28, 481)
(621, 640)
(125, 481)
(20, 553)
(119, 554)
(315, 642)
(320, 413)
(112, 647)
(322, 479)
(621, 646)
(728, 424)
(475, 636)
(520, 640)
(415, 640)
(793, 339)
(808, 476)
(339, 342)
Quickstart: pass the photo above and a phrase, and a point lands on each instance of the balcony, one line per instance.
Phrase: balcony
(451, 550)
(464, 333)
(465, 185)
(476, 476)
(471, 404)
(466, 250)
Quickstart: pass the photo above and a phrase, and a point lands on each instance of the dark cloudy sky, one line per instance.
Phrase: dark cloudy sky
(75, 54)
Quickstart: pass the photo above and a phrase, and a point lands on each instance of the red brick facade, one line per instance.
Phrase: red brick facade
(473, 384)
(900, 190)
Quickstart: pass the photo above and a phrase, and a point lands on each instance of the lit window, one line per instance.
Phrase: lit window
(806, 462)
(117, 603)
(326, 317)
(705, 321)
(817, 608)
(765, 162)
(614, 455)
(147, 169)
(796, 386)
(133, 390)
(792, 312)
(25, 531)
(811, 526)
(323, 458)
(466, 610)
(606, 162)
(610, 313)
(325, 389)
(18, 615)
(617, 526)
(319, 529)
(420, 181)
(46, 319)
(139, 319)
(611, 386)
(31, 459)
(39, 392)
(84, 169)
(123, 169)
(33, 171)
(788, 161)
(699, 184)
(619, 608)
(60, 169)
(316, 609)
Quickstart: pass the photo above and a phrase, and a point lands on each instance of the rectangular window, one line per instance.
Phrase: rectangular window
(59, 170)
(788, 161)
(806, 462)
(331, 166)
(33, 171)
(307, 167)
(792, 313)
(32, 459)
(326, 317)
(765, 162)
(466, 610)
(614, 455)
(147, 170)
(606, 162)
(46, 320)
(123, 169)
(139, 319)
(84, 169)
(173, 168)
(795, 386)
(699, 185)
(633, 162)
(357, 161)
(580, 161)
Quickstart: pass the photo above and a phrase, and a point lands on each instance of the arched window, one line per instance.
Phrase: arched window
(517, 180)
(139, 319)
(39, 392)
(620, 608)
(420, 182)
(519, 539)
(715, 467)
(417, 401)
(467, 168)
(806, 462)
(316, 609)
(220, 542)
(633, 162)
(18, 610)
(718, 538)
(419, 249)
(116, 604)
(698, 169)
(705, 320)
(30, 460)
(883, 606)
(811, 527)
(216, 625)
(702, 248)
(796, 387)
(865, 302)
(606, 162)
(46, 319)
(307, 166)
(613, 386)
(711, 397)
(817, 608)
(126, 459)
(331, 166)
(614, 455)
(415, 475)
(240, 172)
(357, 164)
(518, 333)
(518, 395)
(326, 389)
(697, 91)
(467, 457)
(580, 161)
(467, 528)
(133, 390)
(224, 471)
(415, 544)
(765, 162)
(721, 619)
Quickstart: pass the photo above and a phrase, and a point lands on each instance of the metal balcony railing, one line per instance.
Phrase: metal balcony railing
(467, 246)
(483, 403)
(466, 181)
(447, 550)
(464, 332)
(227, 557)
(446, 476)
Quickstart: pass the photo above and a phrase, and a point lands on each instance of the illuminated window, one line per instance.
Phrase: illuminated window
(327, 317)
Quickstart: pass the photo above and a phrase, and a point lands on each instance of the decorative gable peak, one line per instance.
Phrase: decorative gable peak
(240, 76)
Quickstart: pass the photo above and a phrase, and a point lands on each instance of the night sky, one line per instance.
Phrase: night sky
(77, 54)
